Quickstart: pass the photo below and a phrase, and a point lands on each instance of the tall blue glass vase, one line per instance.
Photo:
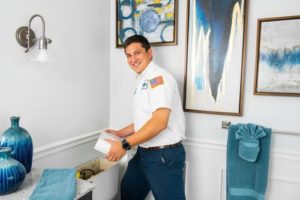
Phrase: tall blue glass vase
(20, 142)
(12, 172)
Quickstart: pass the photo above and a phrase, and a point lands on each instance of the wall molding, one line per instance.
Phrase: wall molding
(63, 145)
(282, 179)
(222, 184)
(56, 147)
(221, 146)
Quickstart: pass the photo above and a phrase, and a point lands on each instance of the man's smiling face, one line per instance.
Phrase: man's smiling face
(137, 57)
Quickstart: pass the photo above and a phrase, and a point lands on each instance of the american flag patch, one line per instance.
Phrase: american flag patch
(156, 81)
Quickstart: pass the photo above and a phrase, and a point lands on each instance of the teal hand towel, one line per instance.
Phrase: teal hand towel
(56, 184)
(248, 149)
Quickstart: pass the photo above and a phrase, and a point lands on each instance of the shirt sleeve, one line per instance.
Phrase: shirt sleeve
(161, 92)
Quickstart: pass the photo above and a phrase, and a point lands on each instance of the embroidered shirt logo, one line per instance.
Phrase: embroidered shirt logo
(156, 81)
(145, 85)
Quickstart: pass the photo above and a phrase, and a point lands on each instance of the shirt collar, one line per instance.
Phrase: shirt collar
(146, 71)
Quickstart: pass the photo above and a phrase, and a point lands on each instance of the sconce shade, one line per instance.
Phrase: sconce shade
(35, 47)
(36, 55)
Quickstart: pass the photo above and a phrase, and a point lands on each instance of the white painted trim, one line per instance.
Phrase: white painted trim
(287, 180)
(186, 178)
(62, 145)
(222, 187)
(210, 144)
(270, 179)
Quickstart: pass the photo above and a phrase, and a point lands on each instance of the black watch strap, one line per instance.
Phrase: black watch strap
(125, 145)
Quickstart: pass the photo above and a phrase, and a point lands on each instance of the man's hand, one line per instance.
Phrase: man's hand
(116, 151)
(112, 131)
(124, 132)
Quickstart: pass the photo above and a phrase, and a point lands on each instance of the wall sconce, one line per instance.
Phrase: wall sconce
(35, 47)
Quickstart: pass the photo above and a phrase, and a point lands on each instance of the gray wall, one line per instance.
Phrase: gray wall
(206, 140)
(257, 109)
(70, 97)
(90, 87)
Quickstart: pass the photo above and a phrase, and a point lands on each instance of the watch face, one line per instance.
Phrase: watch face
(125, 145)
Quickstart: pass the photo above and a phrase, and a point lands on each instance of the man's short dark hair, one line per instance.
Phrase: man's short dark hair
(137, 39)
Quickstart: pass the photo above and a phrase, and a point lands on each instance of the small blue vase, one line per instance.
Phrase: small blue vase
(12, 172)
(20, 142)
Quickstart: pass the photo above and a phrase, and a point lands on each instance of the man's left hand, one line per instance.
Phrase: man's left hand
(116, 151)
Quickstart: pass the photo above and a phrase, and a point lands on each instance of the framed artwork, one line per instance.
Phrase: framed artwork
(278, 56)
(154, 19)
(214, 76)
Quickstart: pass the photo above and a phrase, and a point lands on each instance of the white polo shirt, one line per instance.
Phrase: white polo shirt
(158, 89)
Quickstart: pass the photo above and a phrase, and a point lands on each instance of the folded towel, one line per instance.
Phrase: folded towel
(248, 149)
(249, 136)
(56, 184)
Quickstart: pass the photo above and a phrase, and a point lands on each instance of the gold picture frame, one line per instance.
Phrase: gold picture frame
(277, 70)
(215, 56)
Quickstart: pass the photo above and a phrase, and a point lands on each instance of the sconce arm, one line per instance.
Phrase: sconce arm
(43, 37)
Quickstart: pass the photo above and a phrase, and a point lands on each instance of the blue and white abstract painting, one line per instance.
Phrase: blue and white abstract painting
(154, 19)
(215, 56)
(279, 57)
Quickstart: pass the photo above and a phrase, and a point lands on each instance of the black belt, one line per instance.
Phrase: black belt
(161, 147)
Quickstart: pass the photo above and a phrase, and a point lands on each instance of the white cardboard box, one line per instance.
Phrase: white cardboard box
(106, 177)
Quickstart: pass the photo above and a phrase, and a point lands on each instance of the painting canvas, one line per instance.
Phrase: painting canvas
(278, 56)
(154, 19)
(215, 56)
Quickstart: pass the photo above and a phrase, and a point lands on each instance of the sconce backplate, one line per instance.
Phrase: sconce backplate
(21, 37)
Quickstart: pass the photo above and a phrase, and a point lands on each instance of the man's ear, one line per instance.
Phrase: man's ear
(150, 53)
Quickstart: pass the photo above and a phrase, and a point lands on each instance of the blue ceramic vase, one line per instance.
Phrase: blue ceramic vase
(20, 142)
(12, 172)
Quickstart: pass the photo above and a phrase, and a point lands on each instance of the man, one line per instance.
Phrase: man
(157, 130)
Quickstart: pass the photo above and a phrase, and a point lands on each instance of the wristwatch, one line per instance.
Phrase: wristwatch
(125, 145)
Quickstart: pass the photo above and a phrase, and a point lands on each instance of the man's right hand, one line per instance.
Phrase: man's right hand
(124, 132)
(112, 131)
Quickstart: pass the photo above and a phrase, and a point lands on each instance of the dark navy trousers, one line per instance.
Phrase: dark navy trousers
(161, 171)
